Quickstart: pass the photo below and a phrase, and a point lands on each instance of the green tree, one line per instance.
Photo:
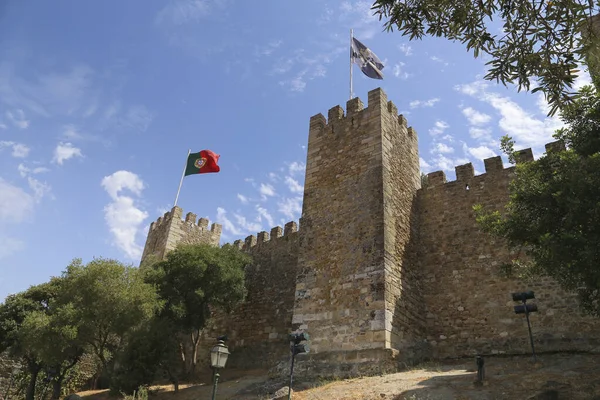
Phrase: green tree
(192, 280)
(553, 216)
(540, 38)
(109, 300)
(15, 310)
(54, 338)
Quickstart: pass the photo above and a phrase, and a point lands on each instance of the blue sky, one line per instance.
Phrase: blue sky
(100, 101)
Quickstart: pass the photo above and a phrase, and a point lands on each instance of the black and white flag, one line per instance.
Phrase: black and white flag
(368, 62)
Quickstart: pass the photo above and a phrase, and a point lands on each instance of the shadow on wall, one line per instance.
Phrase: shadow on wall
(409, 310)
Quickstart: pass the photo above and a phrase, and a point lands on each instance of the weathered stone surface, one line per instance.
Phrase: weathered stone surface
(381, 272)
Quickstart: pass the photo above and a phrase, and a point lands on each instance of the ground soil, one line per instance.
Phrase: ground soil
(553, 376)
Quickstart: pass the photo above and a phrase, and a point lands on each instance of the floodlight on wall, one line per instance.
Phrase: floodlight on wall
(526, 309)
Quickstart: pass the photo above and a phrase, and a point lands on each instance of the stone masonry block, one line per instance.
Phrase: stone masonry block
(290, 227)
(190, 217)
(276, 232)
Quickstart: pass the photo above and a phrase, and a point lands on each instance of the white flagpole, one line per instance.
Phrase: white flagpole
(351, 60)
(182, 175)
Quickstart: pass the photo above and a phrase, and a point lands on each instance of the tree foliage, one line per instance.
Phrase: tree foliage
(539, 38)
(553, 216)
(109, 300)
(16, 310)
(192, 280)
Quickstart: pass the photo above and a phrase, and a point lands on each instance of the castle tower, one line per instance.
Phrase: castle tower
(357, 292)
(170, 230)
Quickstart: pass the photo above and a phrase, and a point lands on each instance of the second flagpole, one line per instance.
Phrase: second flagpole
(351, 60)
(182, 176)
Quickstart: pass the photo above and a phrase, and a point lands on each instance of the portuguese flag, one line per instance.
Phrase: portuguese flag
(202, 163)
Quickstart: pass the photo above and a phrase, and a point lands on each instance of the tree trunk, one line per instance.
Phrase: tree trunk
(56, 389)
(30, 394)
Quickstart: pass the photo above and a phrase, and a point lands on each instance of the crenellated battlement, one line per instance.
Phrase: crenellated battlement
(190, 218)
(171, 229)
(263, 237)
(377, 104)
(494, 167)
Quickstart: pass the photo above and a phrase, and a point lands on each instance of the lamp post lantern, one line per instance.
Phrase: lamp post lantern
(218, 358)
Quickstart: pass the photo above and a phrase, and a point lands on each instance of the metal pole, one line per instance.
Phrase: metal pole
(182, 175)
(530, 334)
(351, 60)
(215, 380)
(291, 374)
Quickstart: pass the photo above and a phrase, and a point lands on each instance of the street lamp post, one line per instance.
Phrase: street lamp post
(218, 358)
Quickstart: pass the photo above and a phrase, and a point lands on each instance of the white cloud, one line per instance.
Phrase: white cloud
(447, 164)
(442, 148)
(10, 246)
(480, 133)
(305, 66)
(122, 216)
(439, 60)
(358, 14)
(263, 213)
(481, 152)
(246, 225)
(24, 171)
(523, 126)
(122, 180)
(293, 185)
(398, 71)
(40, 189)
(65, 151)
(18, 119)
(15, 204)
(296, 167)
(137, 118)
(50, 93)
(291, 207)
(228, 226)
(438, 128)
(423, 103)
(266, 190)
(406, 49)
(70, 132)
(424, 164)
(19, 150)
(242, 198)
(475, 117)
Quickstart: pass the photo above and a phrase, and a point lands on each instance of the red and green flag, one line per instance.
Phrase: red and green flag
(204, 162)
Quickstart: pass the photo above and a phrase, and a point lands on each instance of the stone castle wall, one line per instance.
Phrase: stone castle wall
(469, 308)
(258, 329)
(381, 271)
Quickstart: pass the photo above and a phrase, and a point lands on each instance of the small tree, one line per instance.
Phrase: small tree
(16, 309)
(553, 216)
(191, 280)
(109, 300)
(539, 39)
(54, 338)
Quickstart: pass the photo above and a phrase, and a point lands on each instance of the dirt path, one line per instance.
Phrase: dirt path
(573, 377)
